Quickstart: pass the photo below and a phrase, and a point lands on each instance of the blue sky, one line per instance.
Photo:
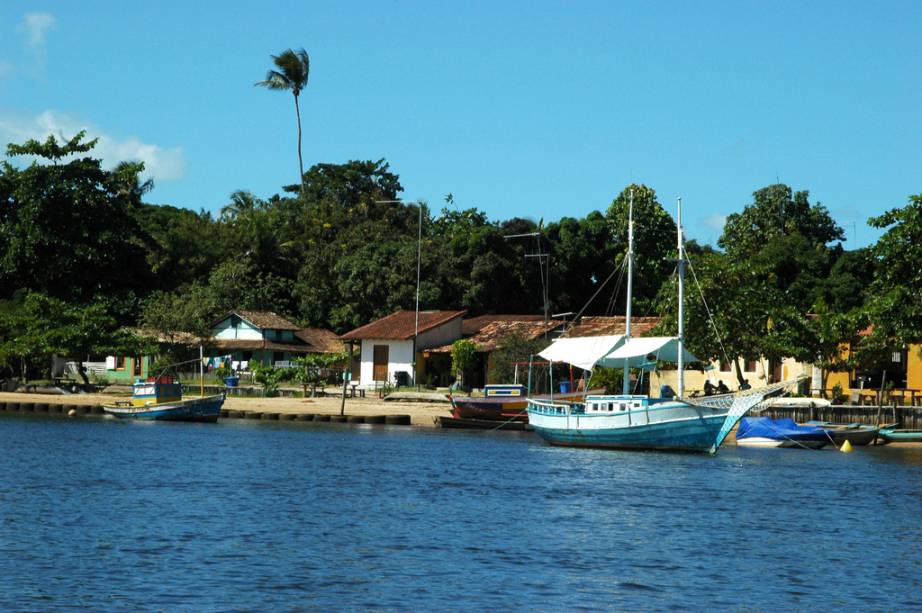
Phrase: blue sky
(529, 109)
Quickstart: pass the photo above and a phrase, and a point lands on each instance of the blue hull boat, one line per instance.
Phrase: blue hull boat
(160, 398)
(206, 409)
(626, 421)
(647, 424)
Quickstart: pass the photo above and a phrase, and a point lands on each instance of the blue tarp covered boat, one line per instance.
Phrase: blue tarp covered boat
(783, 432)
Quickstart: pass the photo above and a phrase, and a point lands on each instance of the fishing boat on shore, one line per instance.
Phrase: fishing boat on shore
(632, 421)
(783, 432)
(160, 398)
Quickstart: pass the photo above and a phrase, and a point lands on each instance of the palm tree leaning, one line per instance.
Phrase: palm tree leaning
(293, 70)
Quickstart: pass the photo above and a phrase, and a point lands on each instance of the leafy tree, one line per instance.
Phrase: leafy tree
(68, 228)
(269, 378)
(292, 75)
(776, 212)
(583, 255)
(463, 357)
(309, 369)
(513, 348)
(654, 240)
(35, 327)
(183, 245)
(894, 306)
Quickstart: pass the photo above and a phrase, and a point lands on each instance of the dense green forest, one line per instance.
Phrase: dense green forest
(85, 263)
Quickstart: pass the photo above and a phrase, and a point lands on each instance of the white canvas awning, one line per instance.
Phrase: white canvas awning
(644, 349)
(582, 352)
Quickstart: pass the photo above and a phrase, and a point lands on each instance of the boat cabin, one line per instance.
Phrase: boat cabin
(155, 390)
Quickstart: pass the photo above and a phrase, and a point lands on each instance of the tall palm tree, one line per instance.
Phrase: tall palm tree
(293, 70)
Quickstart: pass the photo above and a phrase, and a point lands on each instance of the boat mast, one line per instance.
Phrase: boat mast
(626, 382)
(681, 361)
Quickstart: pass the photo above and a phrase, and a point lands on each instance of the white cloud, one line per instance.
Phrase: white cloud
(160, 163)
(36, 26)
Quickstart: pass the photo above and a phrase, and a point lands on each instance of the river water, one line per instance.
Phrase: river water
(244, 515)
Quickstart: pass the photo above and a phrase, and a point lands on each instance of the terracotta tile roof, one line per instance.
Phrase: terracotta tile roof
(473, 325)
(615, 324)
(246, 345)
(265, 320)
(490, 336)
(400, 325)
(320, 340)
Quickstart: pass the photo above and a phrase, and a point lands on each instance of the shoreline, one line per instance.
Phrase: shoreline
(421, 413)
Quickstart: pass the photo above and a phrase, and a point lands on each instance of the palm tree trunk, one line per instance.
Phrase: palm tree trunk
(300, 161)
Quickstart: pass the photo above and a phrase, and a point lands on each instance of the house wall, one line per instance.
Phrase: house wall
(441, 335)
(914, 367)
(694, 379)
(127, 374)
(400, 358)
(235, 328)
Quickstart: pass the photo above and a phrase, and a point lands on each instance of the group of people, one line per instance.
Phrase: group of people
(710, 389)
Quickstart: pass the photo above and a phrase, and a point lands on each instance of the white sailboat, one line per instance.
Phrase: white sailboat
(633, 421)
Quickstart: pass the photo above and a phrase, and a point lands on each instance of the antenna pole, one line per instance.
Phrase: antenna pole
(681, 360)
(626, 382)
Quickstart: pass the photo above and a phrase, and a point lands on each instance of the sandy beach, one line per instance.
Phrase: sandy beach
(421, 413)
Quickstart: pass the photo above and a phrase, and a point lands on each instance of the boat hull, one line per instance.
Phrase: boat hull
(669, 426)
(891, 435)
(206, 409)
(762, 441)
(479, 424)
(498, 409)
(855, 435)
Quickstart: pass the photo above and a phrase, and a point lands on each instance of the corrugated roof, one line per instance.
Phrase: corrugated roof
(320, 340)
(400, 325)
(265, 320)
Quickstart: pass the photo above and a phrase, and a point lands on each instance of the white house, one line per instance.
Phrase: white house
(263, 337)
(390, 346)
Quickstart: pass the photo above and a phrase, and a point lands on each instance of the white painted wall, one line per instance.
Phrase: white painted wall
(400, 357)
(244, 331)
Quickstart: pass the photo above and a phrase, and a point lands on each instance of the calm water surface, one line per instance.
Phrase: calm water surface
(108, 515)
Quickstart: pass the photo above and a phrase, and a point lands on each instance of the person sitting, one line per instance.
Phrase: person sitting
(745, 385)
(709, 388)
(721, 388)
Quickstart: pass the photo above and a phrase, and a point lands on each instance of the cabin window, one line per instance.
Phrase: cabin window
(750, 365)
(119, 362)
(137, 366)
(724, 366)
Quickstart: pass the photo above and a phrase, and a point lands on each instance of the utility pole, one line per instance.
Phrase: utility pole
(545, 270)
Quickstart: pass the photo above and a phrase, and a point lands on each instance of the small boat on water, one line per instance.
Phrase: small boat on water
(768, 432)
(855, 434)
(479, 424)
(500, 402)
(894, 435)
(160, 398)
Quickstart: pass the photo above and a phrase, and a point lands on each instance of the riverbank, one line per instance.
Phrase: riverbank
(421, 413)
